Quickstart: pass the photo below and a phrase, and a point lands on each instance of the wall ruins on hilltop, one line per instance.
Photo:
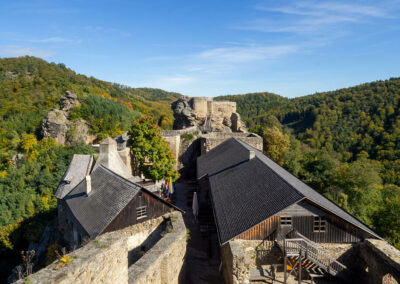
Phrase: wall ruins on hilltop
(207, 114)
(202, 124)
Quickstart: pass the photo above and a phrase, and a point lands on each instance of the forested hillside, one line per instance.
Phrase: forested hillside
(30, 166)
(345, 143)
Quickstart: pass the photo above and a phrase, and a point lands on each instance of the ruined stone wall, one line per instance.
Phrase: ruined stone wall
(163, 262)
(200, 105)
(167, 133)
(212, 140)
(174, 144)
(180, 146)
(105, 259)
(238, 258)
(222, 109)
(379, 261)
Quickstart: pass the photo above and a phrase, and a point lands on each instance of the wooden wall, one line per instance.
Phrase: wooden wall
(261, 231)
(127, 217)
(337, 230)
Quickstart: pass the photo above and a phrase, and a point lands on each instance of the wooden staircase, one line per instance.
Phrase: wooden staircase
(302, 252)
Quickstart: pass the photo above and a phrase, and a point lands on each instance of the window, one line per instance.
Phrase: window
(141, 212)
(286, 221)
(319, 224)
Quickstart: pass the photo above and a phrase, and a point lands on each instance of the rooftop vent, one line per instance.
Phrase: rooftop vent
(88, 185)
(252, 154)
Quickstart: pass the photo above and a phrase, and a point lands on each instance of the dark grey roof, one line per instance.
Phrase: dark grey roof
(109, 195)
(249, 191)
(78, 169)
(225, 155)
(242, 201)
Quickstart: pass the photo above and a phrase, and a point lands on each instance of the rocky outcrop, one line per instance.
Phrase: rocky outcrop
(207, 114)
(183, 114)
(69, 101)
(57, 124)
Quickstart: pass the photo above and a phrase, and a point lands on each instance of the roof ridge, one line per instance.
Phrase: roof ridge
(117, 175)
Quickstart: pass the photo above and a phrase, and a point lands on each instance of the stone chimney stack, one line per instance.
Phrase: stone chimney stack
(88, 185)
(252, 154)
(108, 145)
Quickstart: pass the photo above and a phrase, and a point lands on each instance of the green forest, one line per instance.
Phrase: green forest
(344, 143)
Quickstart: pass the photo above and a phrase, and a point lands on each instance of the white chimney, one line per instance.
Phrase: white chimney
(252, 154)
(88, 185)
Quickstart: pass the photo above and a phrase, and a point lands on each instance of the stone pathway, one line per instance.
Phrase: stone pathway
(202, 256)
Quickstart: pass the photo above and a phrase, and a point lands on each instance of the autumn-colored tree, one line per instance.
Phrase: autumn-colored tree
(276, 144)
(150, 153)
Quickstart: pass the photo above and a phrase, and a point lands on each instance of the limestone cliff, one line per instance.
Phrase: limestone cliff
(208, 115)
(57, 125)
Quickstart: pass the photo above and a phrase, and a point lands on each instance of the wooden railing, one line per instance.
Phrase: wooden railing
(311, 251)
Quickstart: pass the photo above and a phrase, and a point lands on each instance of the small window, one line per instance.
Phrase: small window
(141, 212)
(319, 225)
(286, 221)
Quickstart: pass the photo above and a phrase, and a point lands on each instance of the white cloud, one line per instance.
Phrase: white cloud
(305, 17)
(246, 53)
(13, 51)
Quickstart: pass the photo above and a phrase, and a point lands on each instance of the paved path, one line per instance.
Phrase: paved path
(202, 256)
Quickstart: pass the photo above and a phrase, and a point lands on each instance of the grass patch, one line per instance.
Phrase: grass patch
(188, 137)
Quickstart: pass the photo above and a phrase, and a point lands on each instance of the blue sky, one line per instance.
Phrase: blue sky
(210, 48)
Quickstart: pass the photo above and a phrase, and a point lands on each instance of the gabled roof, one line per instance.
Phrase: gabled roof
(246, 195)
(248, 191)
(80, 166)
(110, 194)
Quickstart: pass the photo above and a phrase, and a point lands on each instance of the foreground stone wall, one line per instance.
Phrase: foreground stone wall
(163, 262)
(381, 262)
(105, 259)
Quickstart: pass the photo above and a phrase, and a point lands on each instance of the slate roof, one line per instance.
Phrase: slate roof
(248, 191)
(110, 194)
(242, 201)
(78, 169)
(225, 155)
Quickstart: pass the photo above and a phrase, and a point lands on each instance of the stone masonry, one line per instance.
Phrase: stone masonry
(105, 259)
(162, 264)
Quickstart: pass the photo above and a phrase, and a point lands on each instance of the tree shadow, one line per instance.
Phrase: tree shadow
(29, 231)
